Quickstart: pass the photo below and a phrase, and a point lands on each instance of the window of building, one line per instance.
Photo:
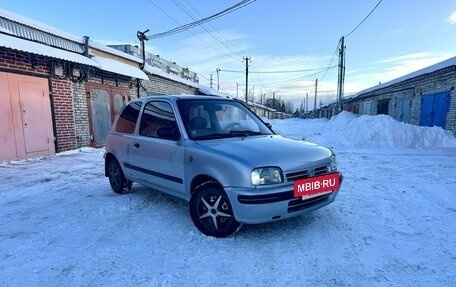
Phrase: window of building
(383, 107)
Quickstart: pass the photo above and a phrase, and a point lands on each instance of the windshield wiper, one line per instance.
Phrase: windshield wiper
(210, 137)
(244, 133)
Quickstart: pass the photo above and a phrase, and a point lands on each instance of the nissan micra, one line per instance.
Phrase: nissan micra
(218, 155)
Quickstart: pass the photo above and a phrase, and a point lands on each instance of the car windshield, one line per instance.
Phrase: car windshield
(206, 119)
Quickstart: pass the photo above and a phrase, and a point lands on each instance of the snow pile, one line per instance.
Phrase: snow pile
(347, 129)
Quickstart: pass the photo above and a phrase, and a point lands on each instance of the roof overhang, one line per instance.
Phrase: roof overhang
(19, 44)
(119, 68)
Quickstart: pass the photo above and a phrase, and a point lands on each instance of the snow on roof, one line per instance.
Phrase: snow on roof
(261, 106)
(113, 51)
(155, 71)
(15, 43)
(444, 64)
(62, 34)
(120, 68)
(38, 25)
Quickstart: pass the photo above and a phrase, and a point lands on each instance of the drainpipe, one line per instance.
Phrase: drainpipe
(86, 53)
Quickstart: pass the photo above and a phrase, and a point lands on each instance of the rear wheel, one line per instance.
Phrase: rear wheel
(211, 211)
(117, 180)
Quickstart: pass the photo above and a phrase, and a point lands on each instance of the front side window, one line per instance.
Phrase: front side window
(127, 119)
(213, 118)
(158, 121)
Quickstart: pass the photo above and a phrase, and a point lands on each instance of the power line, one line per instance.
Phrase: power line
(203, 20)
(201, 39)
(330, 63)
(364, 19)
(278, 72)
(224, 41)
(290, 80)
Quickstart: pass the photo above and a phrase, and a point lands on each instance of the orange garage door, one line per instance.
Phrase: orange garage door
(26, 120)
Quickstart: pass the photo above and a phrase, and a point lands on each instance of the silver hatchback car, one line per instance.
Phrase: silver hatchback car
(217, 154)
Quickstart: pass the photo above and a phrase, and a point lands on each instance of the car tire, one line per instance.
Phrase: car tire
(211, 211)
(117, 180)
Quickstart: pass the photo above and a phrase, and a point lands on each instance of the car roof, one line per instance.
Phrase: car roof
(181, 97)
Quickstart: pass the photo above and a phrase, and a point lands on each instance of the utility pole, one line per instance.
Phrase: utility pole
(273, 100)
(210, 83)
(142, 37)
(307, 102)
(341, 74)
(246, 59)
(315, 99)
(218, 79)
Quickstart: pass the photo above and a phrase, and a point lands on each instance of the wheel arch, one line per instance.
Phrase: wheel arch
(201, 179)
(108, 157)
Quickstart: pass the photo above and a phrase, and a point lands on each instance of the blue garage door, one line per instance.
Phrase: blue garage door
(434, 109)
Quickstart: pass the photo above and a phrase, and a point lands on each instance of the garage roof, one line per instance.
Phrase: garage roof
(119, 68)
(15, 43)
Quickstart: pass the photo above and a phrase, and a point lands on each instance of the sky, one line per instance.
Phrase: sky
(399, 37)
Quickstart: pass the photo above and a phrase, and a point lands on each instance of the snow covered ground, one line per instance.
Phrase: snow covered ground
(393, 223)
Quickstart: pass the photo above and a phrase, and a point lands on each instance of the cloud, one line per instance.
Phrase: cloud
(387, 69)
(452, 18)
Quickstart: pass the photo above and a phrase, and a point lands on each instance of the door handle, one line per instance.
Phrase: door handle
(136, 145)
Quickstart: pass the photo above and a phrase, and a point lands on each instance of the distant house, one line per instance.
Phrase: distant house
(425, 97)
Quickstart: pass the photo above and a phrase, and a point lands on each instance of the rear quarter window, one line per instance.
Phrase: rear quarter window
(128, 118)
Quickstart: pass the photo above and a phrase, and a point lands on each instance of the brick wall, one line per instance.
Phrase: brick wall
(439, 81)
(160, 85)
(81, 114)
(64, 113)
(62, 102)
(16, 61)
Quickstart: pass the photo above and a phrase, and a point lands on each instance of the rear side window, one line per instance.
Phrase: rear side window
(158, 116)
(128, 118)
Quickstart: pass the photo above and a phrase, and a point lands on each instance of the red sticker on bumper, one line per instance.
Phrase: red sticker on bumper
(317, 185)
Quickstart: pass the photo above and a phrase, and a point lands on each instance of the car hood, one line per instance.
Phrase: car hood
(273, 150)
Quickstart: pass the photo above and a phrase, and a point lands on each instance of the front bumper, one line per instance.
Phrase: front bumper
(251, 206)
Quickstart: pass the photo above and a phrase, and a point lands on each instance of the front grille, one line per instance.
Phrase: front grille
(292, 176)
(321, 170)
(297, 175)
(299, 204)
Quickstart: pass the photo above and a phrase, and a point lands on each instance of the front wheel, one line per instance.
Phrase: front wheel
(211, 211)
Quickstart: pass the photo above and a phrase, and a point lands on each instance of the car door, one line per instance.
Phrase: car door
(120, 138)
(156, 156)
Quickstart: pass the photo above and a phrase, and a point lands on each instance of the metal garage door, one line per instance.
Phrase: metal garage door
(434, 109)
(105, 103)
(403, 108)
(26, 128)
(367, 107)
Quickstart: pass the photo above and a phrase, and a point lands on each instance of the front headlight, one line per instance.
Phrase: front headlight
(267, 175)
(333, 163)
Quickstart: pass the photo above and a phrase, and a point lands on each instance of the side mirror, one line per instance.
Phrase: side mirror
(168, 133)
(268, 125)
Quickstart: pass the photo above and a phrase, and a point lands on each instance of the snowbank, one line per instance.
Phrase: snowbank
(347, 129)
